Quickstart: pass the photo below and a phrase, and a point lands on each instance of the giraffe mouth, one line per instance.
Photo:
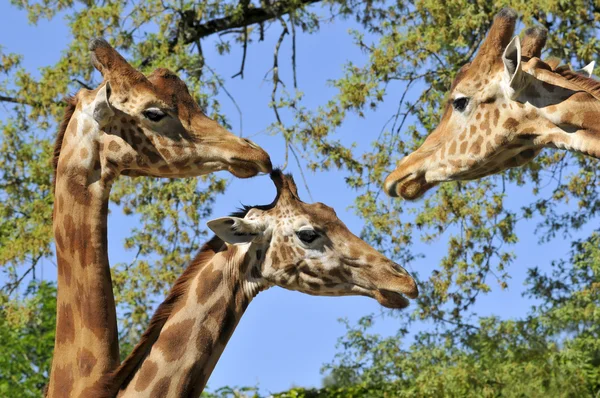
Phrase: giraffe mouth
(391, 299)
(409, 187)
(245, 169)
(396, 291)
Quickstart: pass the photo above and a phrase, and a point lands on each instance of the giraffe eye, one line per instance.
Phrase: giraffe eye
(154, 114)
(460, 104)
(307, 235)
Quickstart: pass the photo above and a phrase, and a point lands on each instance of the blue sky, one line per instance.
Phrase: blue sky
(285, 337)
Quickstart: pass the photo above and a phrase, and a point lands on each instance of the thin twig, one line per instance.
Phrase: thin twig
(82, 84)
(220, 83)
(276, 79)
(241, 72)
(459, 324)
(14, 285)
(292, 21)
(301, 172)
(287, 150)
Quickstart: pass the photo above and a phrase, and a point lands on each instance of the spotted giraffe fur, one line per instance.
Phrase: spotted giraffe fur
(107, 132)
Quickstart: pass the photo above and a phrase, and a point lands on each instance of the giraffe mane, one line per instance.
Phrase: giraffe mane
(587, 84)
(71, 102)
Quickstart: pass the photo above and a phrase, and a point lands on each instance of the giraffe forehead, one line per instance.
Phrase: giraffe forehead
(172, 89)
(287, 225)
(472, 81)
(479, 86)
(165, 90)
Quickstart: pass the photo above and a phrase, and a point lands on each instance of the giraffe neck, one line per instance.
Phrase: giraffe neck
(569, 104)
(575, 125)
(86, 342)
(178, 353)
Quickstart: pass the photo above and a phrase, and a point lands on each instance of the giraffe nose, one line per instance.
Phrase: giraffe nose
(257, 155)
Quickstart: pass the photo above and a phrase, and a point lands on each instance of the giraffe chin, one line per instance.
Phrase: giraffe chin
(415, 188)
(390, 299)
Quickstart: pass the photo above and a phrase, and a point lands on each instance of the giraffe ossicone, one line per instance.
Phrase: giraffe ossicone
(289, 243)
(132, 125)
(503, 108)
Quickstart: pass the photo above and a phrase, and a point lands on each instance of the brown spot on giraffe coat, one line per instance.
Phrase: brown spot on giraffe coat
(161, 389)
(113, 146)
(63, 381)
(208, 282)
(173, 340)
(476, 147)
(65, 332)
(86, 361)
(147, 373)
(511, 124)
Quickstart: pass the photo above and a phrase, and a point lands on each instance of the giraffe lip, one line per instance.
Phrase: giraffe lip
(392, 188)
(243, 168)
(409, 186)
(391, 299)
(413, 188)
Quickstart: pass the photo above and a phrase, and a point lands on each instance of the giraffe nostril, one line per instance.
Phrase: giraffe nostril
(400, 269)
(252, 144)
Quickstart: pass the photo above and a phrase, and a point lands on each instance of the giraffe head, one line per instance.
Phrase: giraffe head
(496, 116)
(152, 125)
(305, 247)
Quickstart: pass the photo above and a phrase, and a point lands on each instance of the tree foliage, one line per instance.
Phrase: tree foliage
(411, 51)
(554, 351)
(27, 336)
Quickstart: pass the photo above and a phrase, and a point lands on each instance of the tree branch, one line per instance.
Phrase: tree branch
(250, 16)
(19, 101)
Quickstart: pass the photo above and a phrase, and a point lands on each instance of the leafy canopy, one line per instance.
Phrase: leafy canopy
(411, 51)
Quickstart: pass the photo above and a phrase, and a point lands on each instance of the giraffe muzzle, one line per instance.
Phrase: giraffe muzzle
(408, 186)
(243, 168)
(394, 287)
(391, 299)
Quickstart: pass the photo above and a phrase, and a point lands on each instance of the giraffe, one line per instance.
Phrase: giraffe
(503, 108)
(289, 243)
(132, 125)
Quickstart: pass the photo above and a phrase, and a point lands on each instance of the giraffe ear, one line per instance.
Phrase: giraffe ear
(103, 111)
(236, 230)
(516, 78)
(587, 70)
